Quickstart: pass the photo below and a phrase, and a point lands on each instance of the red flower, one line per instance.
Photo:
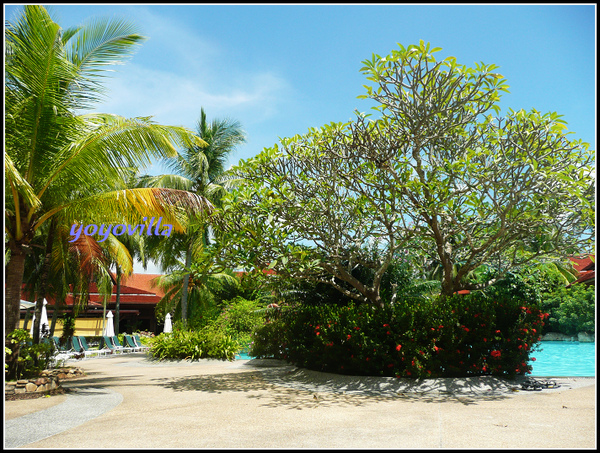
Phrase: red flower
(495, 354)
(349, 336)
(398, 347)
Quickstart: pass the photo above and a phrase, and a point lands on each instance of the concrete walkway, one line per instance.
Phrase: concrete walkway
(128, 401)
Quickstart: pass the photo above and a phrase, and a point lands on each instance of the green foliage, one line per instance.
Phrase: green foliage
(220, 337)
(68, 328)
(433, 167)
(572, 310)
(240, 318)
(32, 358)
(181, 344)
(457, 336)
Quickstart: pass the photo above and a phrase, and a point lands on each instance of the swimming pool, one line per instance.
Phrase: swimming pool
(564, 358)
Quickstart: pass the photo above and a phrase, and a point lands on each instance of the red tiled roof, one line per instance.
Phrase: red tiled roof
(586, 268)
(142, 281)
(129, 295)
(583, 263)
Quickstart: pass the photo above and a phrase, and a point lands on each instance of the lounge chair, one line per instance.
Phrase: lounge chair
(119, 345)
(138, 342)
(87, 348)
(129, 341)
(80, 346)
(62, 348)
(108, 343)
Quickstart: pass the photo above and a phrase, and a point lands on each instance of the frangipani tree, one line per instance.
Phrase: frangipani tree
(436, 169)
(62, 166)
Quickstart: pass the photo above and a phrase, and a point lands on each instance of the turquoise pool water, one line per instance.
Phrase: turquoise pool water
(564, 358)
(242, 356)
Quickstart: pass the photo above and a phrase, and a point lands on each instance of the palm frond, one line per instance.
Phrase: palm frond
(119, 254)
(166, 181)
(115, 144)
(20, 184)
(129, 206)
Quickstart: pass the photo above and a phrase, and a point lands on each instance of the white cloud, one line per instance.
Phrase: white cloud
(175, 99)
(178, 71)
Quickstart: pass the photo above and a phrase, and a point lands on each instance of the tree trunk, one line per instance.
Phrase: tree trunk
(184, 290)
(14, 280)
(43, 284)
(118, 301)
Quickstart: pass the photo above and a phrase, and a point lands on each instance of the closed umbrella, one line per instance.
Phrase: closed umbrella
(168, 327)
(109, 329)
(44, 325)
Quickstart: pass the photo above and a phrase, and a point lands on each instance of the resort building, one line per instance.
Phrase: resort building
(137, 302)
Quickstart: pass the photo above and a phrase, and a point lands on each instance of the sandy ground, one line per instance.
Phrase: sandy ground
(129, 401)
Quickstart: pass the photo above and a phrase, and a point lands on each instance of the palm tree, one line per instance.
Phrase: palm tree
(200, 170)
(64, 167)
(203, 282)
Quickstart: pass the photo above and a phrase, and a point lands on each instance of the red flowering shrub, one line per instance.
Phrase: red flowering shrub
(460, 336)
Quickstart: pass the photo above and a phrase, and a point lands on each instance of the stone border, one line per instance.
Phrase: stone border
(47, 381)
(582, 337)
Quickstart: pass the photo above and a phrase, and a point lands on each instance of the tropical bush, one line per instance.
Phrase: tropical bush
(219, 338)
(193, 345)
(456, 336)
(571, 310)
(240, 318)
(31, 358)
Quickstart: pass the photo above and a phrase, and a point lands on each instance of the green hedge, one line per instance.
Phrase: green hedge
(459, 336)
(572, 310)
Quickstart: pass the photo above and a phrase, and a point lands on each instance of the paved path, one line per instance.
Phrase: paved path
(77, 409)
(129, 401)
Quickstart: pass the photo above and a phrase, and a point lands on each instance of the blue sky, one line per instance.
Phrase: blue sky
(282, 69)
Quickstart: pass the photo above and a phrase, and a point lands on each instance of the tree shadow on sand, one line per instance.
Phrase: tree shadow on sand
(304, 389)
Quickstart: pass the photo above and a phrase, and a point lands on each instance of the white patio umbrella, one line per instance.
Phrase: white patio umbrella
(44, 324)
(168, 327)
(109, 328)
(26, 305)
